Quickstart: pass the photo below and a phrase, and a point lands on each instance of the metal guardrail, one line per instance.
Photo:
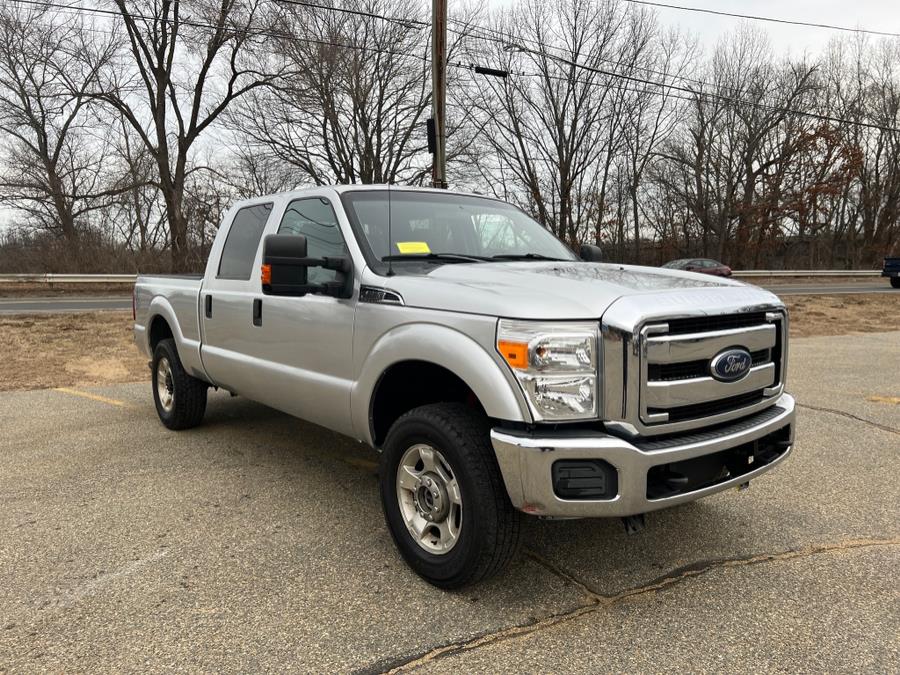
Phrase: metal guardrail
(806, 273)
(68, 278)
(129, 278)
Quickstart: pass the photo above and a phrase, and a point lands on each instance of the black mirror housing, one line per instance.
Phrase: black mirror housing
(285, 265)
(590, 253)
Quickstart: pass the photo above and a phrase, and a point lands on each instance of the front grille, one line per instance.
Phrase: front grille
(660, 372)
(693, 411)
(705, 324)
(676, 384)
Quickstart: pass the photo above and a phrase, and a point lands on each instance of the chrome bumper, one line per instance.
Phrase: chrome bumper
(526, 462)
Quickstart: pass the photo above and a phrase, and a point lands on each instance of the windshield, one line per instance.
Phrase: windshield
(443, 228)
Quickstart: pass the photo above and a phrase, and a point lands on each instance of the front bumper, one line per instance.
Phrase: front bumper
(526, 462)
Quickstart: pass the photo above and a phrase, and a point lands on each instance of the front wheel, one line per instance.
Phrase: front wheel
(180, 399)
(443, 496)
(895, 282)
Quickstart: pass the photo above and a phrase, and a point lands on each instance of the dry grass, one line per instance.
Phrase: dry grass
(37, 290)
(843, 314)
(774, 282)
(58, 350)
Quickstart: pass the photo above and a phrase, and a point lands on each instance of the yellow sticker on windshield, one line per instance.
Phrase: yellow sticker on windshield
(413, 247)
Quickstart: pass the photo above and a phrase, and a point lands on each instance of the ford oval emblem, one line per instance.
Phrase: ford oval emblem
(731, 365)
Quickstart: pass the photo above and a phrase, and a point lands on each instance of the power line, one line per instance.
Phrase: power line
(754, 17)
(358, 12)
(694, 94)
(98, 11)
(727, 99)
(511, 39)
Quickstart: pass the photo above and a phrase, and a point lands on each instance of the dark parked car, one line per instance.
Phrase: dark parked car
(892, 271)
(704, 265)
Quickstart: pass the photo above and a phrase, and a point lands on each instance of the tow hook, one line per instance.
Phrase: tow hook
(634, 524)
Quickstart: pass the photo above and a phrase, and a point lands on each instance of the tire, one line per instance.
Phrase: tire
(487, 526)
(895, 282)
(180, 399)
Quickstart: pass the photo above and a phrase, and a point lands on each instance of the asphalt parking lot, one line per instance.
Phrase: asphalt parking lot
(256, 542)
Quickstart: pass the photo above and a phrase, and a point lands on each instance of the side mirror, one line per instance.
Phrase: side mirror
(590, 253)
(285, 264)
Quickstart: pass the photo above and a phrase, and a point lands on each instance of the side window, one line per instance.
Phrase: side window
(314, 218)
(242, 243)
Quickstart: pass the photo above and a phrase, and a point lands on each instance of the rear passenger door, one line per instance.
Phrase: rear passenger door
(226, 300)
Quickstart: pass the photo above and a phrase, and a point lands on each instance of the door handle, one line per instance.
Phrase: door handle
(208, 308)
(257, 311)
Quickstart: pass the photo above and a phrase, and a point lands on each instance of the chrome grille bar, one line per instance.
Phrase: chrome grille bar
(704, 389)
(694, 346)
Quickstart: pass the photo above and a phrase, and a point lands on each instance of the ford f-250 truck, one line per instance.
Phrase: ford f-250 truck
(496, 371)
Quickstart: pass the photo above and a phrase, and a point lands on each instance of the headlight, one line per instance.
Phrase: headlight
(556, 365)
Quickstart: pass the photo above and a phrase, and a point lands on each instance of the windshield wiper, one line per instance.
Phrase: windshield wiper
(526, 256)
(439, 257)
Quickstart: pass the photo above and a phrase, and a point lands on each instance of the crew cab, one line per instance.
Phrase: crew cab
(496, 372)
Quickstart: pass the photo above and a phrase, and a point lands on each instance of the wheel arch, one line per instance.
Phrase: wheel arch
(429, 363)
(164, 321)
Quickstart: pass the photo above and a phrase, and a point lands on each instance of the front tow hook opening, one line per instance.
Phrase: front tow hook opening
(634, 524)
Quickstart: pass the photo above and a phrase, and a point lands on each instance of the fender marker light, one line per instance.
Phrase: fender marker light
(515, 353)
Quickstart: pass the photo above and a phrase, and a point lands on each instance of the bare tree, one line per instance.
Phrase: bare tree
(185, 64)
(137, 214)
(53, 166)
(555, 126)
(355, 107)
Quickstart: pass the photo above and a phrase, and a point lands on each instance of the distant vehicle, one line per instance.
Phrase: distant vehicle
(892, 271)
(494, 369)
(702, 265)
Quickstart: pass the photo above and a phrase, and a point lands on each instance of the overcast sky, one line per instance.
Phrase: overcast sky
(882, 15)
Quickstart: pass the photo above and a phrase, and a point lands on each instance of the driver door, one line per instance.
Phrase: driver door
(303, 347)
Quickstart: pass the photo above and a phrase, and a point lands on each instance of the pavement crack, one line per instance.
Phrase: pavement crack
(598, 601)
(842, 413)
(565, 575)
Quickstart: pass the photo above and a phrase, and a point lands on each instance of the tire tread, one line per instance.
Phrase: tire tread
(190, 393)
(469, 430)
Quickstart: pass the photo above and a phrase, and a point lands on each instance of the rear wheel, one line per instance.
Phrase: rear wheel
(180, 399)
(443, 496)
(895, 282)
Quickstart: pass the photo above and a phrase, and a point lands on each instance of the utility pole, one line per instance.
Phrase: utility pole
(439, 91)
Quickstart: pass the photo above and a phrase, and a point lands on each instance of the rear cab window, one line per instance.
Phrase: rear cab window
(242, 242)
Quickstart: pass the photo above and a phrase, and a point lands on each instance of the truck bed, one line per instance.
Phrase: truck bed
(175, 297)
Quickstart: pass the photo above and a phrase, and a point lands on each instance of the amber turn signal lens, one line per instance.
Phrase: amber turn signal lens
(266, 275)
(515, 353)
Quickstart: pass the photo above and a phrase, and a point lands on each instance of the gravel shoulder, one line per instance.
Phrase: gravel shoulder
(96, 348)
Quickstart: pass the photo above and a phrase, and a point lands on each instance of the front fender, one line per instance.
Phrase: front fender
(496, 391)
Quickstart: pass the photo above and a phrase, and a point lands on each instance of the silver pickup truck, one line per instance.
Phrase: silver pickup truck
(496, 371)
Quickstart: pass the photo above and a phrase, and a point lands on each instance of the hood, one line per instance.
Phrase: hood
(557, 290)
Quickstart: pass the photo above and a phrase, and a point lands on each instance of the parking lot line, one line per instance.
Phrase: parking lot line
(93, 397)
(884, 399)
